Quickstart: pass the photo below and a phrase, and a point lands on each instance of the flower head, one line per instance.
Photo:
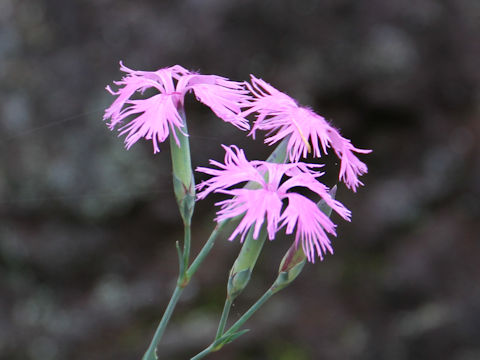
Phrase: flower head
(281, 116)
(273, 199)
(156, 117)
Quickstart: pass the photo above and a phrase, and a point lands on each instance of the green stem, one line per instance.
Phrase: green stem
(183, 280)
(186, 248)
(151, 352)
(205, 250)
(250, 312)
(222, 340)
(224, 317)
(204, 353)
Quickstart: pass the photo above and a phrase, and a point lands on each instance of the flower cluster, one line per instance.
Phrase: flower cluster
(275, 200)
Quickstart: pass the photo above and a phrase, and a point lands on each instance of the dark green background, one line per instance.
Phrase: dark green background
(87, 229)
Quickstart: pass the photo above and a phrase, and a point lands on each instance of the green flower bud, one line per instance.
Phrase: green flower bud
(294, 260)
(245, 262)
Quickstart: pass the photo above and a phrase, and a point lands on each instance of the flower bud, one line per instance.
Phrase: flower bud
(245, 262)
(295, 259)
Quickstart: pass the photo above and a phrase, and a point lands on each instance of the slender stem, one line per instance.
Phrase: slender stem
(151, 352)
(217, 344)
(224, 317)
(205, 250)
(183, 279)
(204, 353)
(250, 312)
(186, 246)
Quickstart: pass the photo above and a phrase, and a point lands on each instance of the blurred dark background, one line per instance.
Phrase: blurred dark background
(87, 230)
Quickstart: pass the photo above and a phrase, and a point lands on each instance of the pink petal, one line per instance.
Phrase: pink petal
(312, 226)
(237, 169)
(310, 182)
(158, 116)
(225, 97)
(256, 205)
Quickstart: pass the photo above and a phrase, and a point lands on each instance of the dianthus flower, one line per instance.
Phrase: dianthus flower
(273, 199)
(156, 117)
(281, 116)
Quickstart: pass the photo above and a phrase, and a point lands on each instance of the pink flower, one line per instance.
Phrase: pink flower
(281, 117)
(272, 199)
(156, 117)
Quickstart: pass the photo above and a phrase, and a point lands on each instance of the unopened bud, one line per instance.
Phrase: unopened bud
(245, 262)
(294, 260)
